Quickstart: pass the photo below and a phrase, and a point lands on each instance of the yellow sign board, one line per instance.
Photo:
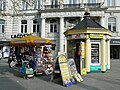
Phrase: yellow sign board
(64, 70)
(83, 50)
(96, 35)
(62, 58)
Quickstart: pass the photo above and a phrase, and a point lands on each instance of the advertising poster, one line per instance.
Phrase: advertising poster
(72, 67)
(83, 50)
(64, 70)
(6, 51)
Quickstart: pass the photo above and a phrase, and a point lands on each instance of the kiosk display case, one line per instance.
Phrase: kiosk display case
(94, 53)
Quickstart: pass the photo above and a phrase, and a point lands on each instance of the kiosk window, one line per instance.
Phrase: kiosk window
(95, 53)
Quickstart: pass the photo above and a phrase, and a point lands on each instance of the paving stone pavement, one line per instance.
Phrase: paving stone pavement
(12, 79)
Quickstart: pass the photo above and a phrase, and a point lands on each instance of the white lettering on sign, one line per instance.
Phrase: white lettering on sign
(39, 41)
(17, 42)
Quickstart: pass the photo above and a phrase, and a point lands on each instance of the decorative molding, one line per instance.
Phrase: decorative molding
(70, 14)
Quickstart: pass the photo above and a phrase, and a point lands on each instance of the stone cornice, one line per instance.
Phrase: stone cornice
(70, 14)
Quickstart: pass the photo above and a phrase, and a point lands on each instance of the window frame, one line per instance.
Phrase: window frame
(112, 25)
(2, 4)
(37, 4)
(37, 26)
(92, 1)
(71, 22)
(54, 24)
(2, 26)
(72, 1)
(111, 2)
(24, 5)
(99, 53)
(54, 3)
(24, 26)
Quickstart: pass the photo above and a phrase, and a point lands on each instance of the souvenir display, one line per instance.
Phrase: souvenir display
(27, 70)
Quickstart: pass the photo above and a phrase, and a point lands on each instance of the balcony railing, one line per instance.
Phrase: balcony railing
(52, 6)
(89, 5)
(92, 5)
(71, 5)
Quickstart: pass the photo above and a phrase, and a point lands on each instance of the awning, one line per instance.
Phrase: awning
(30, 40)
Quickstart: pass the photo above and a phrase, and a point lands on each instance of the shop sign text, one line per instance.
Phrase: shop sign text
(115, 41)
(20, 35)
(78, 36)
(96, 35)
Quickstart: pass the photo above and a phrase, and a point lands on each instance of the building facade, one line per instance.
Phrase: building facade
(51, 18)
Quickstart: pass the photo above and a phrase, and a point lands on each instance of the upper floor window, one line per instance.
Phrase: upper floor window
(36, 26)
(54, 4)
(2, 4)
(25, 5)
(2, 26)
(24, 26)
(111, 2)
(71, 23)
(37, 4)
(112, 24)
(91, 1)
(53, 25)
(72, 1)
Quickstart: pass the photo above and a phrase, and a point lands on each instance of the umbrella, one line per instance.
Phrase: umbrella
(30, 40)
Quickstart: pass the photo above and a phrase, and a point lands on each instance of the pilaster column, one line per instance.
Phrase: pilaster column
(102, 21)
(29, 26)
(103, 62)
(88, 54)
(108, 53)
(43, 28)
(61, 35)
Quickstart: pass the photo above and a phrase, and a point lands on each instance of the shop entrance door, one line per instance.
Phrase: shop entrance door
(114, 51)
(77, 56)
(95, 53)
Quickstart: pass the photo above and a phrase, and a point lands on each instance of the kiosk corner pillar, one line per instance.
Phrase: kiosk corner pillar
(108, 54)
(88, 54)
(103, 55)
